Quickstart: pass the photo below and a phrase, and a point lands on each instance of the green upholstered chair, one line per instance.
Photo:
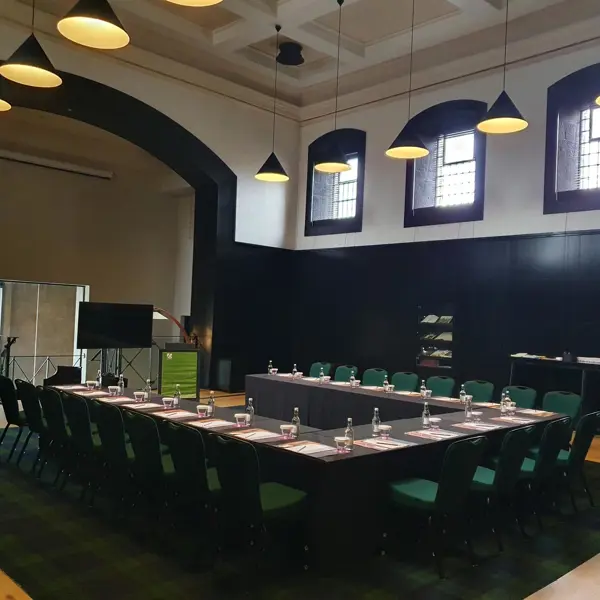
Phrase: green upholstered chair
(10, 405)
(315, 369)
(249, 506)
(28, 395)
(344, 372)
(523, 397)
(499, 484)
(571, 462)
(60, 446)
(565, 403)
(538, 473)
(153, 471)
(446, 498)
(482, 391)
(374, 377)
(404, 381)
(440, 386)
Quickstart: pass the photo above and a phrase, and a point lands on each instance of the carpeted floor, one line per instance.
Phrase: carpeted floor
(56, 548)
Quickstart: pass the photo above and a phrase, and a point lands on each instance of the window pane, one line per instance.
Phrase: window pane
(351, 175)
(334, 195)
(589, 149)
(459, 148)
(596, 123)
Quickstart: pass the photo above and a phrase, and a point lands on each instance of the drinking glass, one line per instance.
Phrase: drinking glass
(167, 403)
(202, 410)
(139, 396)
(428, 394)
(434, 422)
(340, 444)
(113, 390)
(384, 431)
(90, 385)
(512, 408)
(287, 431)
(240, 419)
(274, 371)
(477, 416)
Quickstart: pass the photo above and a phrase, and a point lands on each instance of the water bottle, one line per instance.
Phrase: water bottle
(321, 375)
(503, 404)
(296, 423)
(294, 371)
(349, 434)
(121, 385)
(99, 379)
(250, 413)
(147, 390)
(386, 384)
(352, 379)
(211, 405)
(270, 368)
(426, 416)
(468, 408)
(423, 389)
(510, 407)
(376, 422)
(177, 396)
(463, 393)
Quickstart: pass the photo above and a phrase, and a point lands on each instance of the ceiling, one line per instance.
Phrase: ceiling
(235, 40)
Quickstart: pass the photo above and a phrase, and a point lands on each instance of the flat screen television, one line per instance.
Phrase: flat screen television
(106, 325)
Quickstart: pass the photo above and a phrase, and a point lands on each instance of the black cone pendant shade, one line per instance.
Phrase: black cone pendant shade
(272, 171)
(195, 3)
(332, 160)
(503, 117)
(5, 106)
(93, 23)
(29, 65)
(407, 146)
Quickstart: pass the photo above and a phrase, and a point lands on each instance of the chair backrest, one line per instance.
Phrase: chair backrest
(514, 449)
(344, 372)
(28, 395)
(440, 386)
(145, 440)
(482, 391)
(523, 397)
(78, 419)
(374, 377)
(460, 462)
(315, 369)
(10, 404)
(587, 428)
(53, 413)
(566, 403)
(556, 434)
(189, 459)
(239, 474)
(405, 381)
(111, 429)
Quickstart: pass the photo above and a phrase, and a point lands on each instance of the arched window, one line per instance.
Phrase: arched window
(447, 186)
(334, 202)
(572, 179)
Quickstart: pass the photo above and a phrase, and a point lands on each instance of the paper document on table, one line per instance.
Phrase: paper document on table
(487, 404)
(144, 405)
(70, 388)
(514, 420)
(117, 400)
(257, 435)
(310, 379)
(93, 394)
(383, 443)
(177, 415)
(412, 394)
(434, 434)
(340, 383)
(211, 424)
(536, 413)
(446, 398)
(371, 387)
(307, 447)
(476, 426)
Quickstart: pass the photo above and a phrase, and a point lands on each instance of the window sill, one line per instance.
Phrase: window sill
(333, 226)
(422, 217)
(571, 201)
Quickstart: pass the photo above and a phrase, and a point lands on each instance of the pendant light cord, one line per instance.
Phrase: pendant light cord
(337, 80)
(410, 63)
(505, 47)
(278, 28)
(32, 16)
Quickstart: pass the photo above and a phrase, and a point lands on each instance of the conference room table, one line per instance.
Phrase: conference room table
(347, 492)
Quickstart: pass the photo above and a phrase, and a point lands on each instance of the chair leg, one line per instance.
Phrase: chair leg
(469, 542)
(493, 508)
(585, 487)
(4, 434)
(435, 532)
(14, 446)
(24, 447)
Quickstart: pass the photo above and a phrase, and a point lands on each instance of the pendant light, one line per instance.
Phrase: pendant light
(93, 23)
(29, 64)
(195, 3)
(503, 117)
(272, 170)
(408, 145)
(5, 106)
(332, 159)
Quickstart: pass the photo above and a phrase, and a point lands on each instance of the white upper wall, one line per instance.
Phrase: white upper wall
(514, 168)
(240, 134)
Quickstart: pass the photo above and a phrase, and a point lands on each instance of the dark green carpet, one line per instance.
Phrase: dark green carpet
(56, 548)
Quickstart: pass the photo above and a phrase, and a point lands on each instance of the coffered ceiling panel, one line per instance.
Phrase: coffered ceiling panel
(209, 17)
